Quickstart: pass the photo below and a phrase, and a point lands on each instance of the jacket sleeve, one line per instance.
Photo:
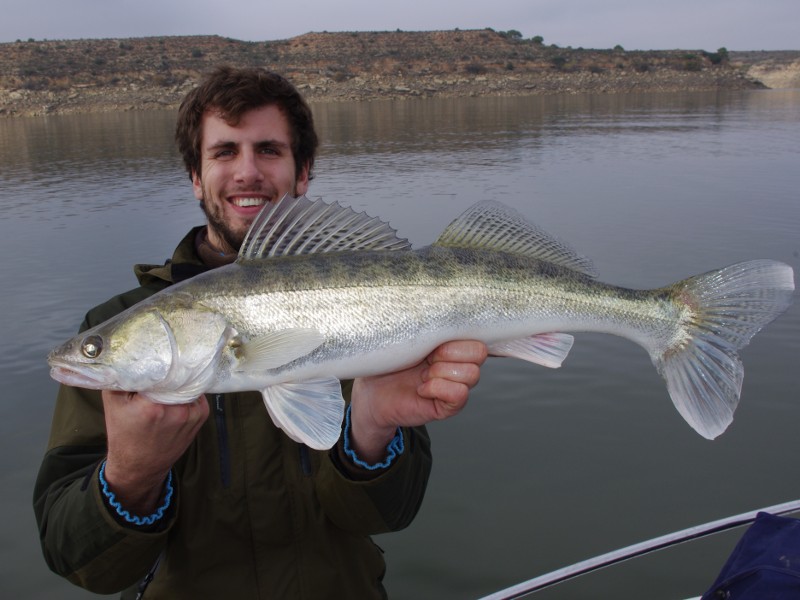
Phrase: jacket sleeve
(387, 502)
(375, 502)
(80, 538)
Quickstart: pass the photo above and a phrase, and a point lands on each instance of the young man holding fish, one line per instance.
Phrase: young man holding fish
(162, 499)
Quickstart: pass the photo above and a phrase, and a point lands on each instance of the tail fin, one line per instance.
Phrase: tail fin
(703, 373)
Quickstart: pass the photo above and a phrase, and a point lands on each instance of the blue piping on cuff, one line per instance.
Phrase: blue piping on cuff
(395, 448)
(134, 519)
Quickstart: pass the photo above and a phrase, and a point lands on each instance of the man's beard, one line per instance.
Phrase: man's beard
(214, 216)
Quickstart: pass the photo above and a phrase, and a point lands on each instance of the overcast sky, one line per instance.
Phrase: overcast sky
(634, 24)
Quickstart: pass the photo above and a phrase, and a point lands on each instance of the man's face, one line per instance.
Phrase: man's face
(243, 168)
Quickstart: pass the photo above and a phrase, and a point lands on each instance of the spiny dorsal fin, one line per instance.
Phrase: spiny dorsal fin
(302, 226)
(491, 225)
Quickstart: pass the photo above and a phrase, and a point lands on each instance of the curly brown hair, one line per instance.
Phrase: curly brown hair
(232, 92)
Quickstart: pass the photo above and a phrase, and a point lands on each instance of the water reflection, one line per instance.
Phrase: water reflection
(545, 467)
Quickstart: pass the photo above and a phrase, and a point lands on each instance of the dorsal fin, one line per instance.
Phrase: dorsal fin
(302, 226)
(491, 225)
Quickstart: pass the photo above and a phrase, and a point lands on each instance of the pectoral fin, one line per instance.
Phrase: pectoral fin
(310, 412)
(277, 348)
(546, 349)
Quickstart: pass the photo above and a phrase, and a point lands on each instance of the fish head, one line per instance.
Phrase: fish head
(169, 350)
(131, 352)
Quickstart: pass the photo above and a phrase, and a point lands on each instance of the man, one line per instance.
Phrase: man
(163, 501)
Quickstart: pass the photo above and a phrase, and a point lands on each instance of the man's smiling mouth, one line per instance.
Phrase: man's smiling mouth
(246, 202)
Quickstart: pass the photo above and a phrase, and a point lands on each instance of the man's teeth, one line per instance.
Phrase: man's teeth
(245, 202)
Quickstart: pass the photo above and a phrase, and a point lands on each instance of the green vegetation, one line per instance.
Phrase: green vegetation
(720, 57)
(511, 34)
(475, 68)
(559, 62)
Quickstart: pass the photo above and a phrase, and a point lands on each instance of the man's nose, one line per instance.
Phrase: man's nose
(247, 169)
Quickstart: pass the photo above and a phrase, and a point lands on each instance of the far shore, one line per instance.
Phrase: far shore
(84, 76)
(90, 99)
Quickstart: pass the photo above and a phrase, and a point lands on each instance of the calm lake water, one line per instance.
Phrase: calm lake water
(545, 467)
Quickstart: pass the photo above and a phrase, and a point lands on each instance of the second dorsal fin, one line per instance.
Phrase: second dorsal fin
(301, 226)
(492, 225)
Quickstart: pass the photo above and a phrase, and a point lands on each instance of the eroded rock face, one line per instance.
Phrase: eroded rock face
(775, 69)
(777, 75)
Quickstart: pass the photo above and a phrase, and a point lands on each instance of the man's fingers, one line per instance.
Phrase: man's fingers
(466, 351)
(466, 373)
(199, 412)
(447, 398)
(453, 369)
(139, 408)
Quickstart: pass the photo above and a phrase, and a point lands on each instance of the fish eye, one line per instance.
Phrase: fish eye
(92, 346)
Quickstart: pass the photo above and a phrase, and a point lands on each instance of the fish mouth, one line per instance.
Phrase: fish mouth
(78, 377)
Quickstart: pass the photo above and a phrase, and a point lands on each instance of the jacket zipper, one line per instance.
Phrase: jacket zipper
(222, 440)
(305, 460)
(145, 582)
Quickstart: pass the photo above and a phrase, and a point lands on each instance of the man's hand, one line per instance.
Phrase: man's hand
(144, 440)
(437, 388)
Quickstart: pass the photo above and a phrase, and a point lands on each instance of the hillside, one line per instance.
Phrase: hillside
(44, 77)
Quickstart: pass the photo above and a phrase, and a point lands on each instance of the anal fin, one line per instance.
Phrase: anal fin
(546, 349)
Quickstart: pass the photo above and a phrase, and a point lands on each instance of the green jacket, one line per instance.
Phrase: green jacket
(255, 514)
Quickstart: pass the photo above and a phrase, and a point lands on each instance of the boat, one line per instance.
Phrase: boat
(775, 533)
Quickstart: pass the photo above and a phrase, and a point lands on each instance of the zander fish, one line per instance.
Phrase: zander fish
(320, 293)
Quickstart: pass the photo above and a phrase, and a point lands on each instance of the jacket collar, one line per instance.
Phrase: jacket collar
(184, 264)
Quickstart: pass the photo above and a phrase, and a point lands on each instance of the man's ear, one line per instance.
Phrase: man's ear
(197, 185)
(301, 183)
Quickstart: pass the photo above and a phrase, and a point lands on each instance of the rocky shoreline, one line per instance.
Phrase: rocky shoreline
(52, 77)
(81, 99)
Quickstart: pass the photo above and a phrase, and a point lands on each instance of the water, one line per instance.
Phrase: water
(545, 467)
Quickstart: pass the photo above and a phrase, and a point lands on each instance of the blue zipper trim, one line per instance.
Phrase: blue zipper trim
(222, 440)
(305, 460)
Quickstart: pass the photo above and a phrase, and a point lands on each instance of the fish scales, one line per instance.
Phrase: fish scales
(366, 301)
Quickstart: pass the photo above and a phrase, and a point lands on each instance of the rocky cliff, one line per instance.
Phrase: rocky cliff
(780, 69)
(43, 77)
